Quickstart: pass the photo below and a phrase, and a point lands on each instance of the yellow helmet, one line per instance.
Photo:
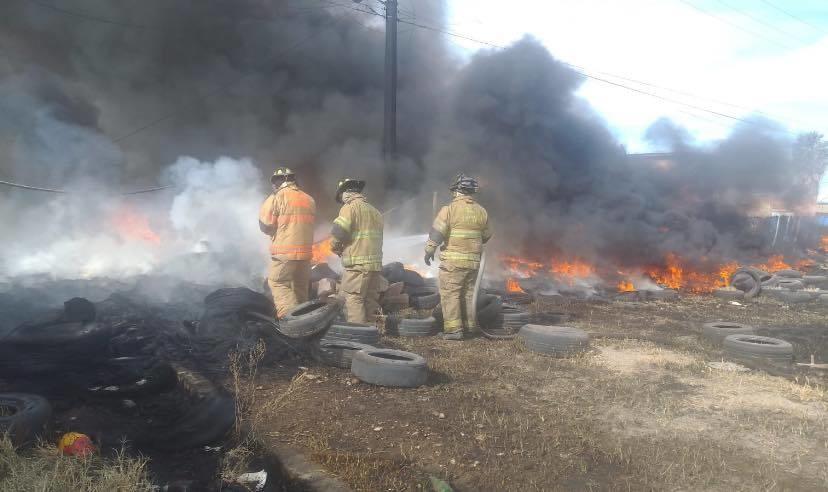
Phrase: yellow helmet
(282, 173)
(348, 184)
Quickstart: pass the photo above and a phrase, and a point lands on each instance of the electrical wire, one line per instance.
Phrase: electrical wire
(733, 24)
(780, 9)
(759, 21)
(52, 190)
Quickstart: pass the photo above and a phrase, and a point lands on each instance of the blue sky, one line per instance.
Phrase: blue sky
(770, 63)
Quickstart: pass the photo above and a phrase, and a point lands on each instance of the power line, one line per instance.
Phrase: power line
(780, 9)
(733, 24)
(52, 190)
(759, 21)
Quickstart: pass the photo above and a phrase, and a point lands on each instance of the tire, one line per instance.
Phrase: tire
(309, 319)
(489, 307)
(758, 276)
(514, 317)
(557, 341)
(425, 301)
(386, 367)
(518, 298)
(24, 416)
(395, 303)
(337, 353)
(754, 347)
(412, 278)
(411, 327)
(814, 280)
(393, 272)
(57, 347)
(790, 284)
(716, 331)
(550, 318)
(323, 270)
(795, 296)
(789, 274)
(495, 330)
(237, 300)
(660, 295)
(129, 377)
(395, 289)
(729, 294)
(352, 332)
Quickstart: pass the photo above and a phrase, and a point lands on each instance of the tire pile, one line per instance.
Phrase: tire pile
(788, 286)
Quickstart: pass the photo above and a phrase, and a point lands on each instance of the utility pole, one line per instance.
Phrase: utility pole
(389, 136)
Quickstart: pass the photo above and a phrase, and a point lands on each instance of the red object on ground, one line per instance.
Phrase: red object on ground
(76, 444)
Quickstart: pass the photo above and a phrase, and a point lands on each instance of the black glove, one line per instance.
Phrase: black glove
(429, 256)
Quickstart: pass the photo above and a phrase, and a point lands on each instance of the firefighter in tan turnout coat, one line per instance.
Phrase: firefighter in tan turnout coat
(357, 239)
(461, 227)
(288, 217)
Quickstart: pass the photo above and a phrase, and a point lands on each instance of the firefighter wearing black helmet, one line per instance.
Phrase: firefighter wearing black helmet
(288, 217)
(459, 230)
(357, 239)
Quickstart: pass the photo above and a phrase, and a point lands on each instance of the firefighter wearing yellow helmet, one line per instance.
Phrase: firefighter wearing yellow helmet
(357, 239)
(461, 227)
(288, 216)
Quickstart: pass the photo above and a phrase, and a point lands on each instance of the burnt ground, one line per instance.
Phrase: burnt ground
(641, 410)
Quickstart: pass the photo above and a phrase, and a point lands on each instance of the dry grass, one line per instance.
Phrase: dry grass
(45, 469)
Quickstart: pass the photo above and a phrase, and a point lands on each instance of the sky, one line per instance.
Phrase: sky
(770, 64)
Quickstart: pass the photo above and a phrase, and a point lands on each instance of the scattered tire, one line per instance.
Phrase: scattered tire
(309, 318)
(795, 296)
(23, 416)
(489, 307)
(550, 318)
(814, 280)
(557, 341)
(411, 327)
(56, 347)
(758, 276)
(790, 284)
(789, 273)
(716, 331)
(352, 332)
(754, 347)
(386, 367)
(729, 294)
(337, 353)
(424, 301)
(514, 317)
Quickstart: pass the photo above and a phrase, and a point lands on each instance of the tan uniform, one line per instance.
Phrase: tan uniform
(357, 234)
(462, 227)
(288, 216)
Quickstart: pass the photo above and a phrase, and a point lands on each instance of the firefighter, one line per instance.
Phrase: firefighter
(288, 216)
(461, 227)
(357, 239)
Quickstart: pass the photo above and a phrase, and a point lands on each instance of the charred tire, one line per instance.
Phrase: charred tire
(758, 277)
(337, 353)
(753, 347)
(424, 301)
(660, 295)
(557, 341)
(141, 380)
(729, 294)
(386, 367)
(518, 298)
(24, 416)
(352, 332)
(717, 331)
(514, 317)
(495, 330)
(489, 308)
(237, 300)
(790, 284)
(393, 272)
(309, 318)
(412, 278)
(54, 347)
(411, 327)
(394, 303)
(815, 280)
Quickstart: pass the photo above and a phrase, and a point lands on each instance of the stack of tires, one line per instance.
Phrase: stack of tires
(407, 288)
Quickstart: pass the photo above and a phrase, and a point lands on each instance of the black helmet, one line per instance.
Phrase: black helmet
(284, 173)
(348, 184)
(464, 184)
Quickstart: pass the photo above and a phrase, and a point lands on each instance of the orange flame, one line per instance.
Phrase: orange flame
(131, 225)
(571, 270)
(677, 274)
(322, 251)
(774, 264)
(626, 286)
(512, 285)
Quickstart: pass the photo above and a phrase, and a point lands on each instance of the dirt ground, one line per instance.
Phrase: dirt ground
(646, 412)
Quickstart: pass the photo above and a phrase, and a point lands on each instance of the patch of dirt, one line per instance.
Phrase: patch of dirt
(630, 414)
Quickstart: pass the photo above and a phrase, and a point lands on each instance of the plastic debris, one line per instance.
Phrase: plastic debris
(76, 444)
(259, 478)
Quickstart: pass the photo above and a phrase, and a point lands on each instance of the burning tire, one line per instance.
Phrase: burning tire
(753, 347)
(352, 332)
(758, 277)
(337, 353)
(309, 319)
(386, 367)
(557, 341)
(717, 331)
(411, 327)
(23, 416)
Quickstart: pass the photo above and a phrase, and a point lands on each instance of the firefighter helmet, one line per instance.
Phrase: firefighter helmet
(282, 173)
(464, 184)
(348, 184)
